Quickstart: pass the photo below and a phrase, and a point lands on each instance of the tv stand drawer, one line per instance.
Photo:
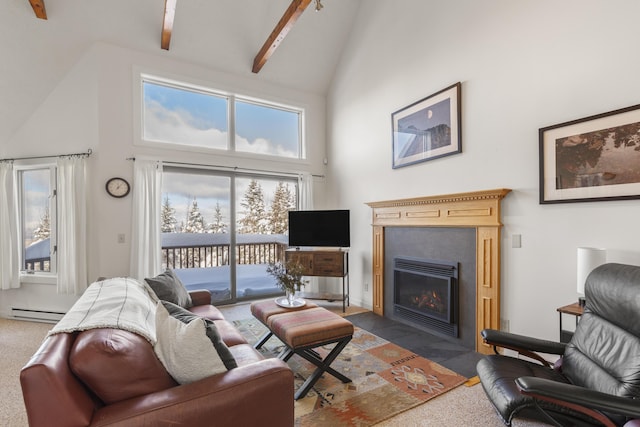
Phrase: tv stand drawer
(320, 263)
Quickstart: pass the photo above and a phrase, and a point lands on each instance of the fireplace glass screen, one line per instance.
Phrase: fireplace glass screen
(426, 295)
(425, 291)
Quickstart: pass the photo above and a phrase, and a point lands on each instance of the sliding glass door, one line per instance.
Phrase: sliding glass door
(221, 230)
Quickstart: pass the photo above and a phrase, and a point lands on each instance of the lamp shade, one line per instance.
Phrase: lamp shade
(588, 259)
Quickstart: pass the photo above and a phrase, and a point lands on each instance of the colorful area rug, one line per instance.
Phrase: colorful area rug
(387, 379)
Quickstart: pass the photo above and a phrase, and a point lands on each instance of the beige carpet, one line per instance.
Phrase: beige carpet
(463, 406)
(18, 341)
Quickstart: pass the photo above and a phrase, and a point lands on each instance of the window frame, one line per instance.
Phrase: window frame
(38, 276)
(142, 77)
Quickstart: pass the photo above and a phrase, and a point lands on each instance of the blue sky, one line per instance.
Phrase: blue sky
(201, 119)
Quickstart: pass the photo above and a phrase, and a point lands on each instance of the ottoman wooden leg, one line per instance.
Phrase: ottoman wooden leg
(322, 365)
(263, 340)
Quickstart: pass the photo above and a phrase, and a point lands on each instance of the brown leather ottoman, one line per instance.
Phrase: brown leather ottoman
(302, 331)
(263, 310)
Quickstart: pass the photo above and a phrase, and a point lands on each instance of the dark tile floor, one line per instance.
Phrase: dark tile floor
(440, 350)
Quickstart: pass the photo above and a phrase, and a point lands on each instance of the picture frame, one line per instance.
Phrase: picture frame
(428, 129)
(596, 158)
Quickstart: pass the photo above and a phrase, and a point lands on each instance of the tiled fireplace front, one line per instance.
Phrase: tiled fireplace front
(443, 260)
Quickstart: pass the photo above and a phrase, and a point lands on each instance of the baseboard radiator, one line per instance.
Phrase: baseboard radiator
(36, 315)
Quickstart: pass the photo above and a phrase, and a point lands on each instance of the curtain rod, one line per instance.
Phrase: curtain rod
(233, 168)
(88, 153)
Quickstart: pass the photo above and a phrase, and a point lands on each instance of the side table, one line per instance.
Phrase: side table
(574, 310)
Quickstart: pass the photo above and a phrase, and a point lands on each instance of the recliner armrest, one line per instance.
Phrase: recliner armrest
(515, 342)
(527, 346)
(582, 399)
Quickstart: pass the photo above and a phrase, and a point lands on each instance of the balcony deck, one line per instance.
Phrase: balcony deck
(202, 261)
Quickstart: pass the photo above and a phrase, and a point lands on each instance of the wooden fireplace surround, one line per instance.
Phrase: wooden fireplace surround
(479, 210)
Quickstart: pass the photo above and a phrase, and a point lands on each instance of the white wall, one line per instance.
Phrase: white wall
(523, 65)
(92, 107)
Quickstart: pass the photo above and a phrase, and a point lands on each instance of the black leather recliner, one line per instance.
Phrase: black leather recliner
(596, 379)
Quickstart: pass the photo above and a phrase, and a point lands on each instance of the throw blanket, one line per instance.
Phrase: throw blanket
(121, 303)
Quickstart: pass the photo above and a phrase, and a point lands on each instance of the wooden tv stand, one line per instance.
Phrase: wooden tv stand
(323, 263)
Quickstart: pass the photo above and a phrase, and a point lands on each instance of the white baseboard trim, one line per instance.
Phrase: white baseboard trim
(36, 315)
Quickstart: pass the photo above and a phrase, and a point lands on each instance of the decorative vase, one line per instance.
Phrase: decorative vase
(291, 296)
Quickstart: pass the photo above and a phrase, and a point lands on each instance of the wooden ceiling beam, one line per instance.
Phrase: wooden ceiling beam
(38, 8)
(285, 24)
(167, 23)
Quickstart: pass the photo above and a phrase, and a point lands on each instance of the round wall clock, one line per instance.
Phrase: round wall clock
(118, 187)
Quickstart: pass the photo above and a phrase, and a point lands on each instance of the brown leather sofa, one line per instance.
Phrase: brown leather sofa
(111, 377)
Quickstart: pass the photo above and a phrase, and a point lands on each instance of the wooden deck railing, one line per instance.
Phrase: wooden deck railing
(218, 255)
(202, 256)
(37, 264)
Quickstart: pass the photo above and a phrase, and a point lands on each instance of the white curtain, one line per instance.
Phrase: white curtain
(72, 225)
(305, 203)
(305, 185)
(145, 233)
(9, 258)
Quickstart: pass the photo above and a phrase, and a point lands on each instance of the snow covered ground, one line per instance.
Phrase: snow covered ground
(252, 280)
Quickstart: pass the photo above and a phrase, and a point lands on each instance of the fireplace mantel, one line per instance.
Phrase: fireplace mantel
(479, 210)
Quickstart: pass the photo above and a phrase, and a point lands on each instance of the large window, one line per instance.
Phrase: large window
(37, 190)
(192, 116)
(221, 230)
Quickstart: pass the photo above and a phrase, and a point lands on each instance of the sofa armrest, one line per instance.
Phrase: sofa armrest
(200, 297)
(247, 395)
(48, 374)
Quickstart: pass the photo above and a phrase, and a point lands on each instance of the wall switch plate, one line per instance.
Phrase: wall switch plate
(121, 238)
(504, 325)
(366, 286)
(516, 241)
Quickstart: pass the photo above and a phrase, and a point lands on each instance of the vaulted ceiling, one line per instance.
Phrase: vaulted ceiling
(225, 35)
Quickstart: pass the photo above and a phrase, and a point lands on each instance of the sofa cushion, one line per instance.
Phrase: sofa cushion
(245, 354)
(212, 332)
(116, 364)
(184, 348)
(168, 287)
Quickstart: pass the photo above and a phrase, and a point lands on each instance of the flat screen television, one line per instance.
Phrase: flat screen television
(325, 228)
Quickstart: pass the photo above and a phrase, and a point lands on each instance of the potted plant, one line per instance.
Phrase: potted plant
(289, 278)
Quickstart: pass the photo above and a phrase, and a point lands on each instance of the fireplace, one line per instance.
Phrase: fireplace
(479, 210)
(425, 292)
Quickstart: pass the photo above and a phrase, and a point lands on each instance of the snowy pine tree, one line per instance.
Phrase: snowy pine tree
(283, 202)
(168, 217)
(195, 221)
(217, 226)
(253, 216)
(43, 230)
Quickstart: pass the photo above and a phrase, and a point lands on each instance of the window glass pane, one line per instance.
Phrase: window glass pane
(267, 130)
(195, 230)
(186, 117)
(36, 219)
(262, 207)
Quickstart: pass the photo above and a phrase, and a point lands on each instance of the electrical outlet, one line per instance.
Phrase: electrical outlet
(366, 287)
(504, 325)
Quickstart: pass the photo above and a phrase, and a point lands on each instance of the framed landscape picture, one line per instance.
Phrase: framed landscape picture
(427, 129)
(595, 158)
